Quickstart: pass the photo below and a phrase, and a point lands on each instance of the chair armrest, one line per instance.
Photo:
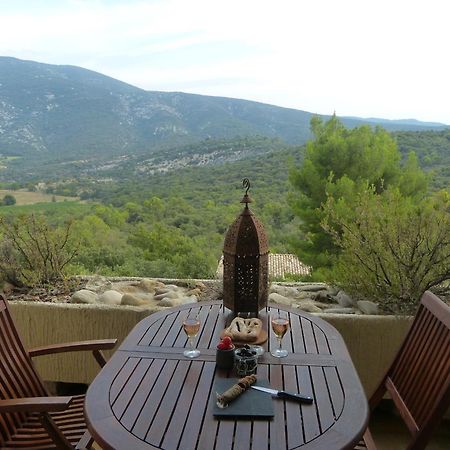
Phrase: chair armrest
(35, 404)
(43, 406)
(368, 440)
(103, 344)
(95, 346)
(85, 442)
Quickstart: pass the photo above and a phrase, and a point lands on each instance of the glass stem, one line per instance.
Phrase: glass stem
(191, 343)
(279, 343)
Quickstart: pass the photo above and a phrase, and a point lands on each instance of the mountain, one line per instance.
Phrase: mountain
(400, 122)
(67, 113)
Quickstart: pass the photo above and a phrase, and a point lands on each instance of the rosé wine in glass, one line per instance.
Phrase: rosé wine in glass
(191, 326)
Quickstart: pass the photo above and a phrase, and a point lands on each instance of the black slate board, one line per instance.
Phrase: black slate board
(251, 403)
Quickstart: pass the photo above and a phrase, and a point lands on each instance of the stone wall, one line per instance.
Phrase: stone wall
(372, 340)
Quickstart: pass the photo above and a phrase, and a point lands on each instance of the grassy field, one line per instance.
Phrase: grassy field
(24, 197)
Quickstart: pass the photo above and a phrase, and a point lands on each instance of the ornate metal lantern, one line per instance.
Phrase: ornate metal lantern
(245, 262)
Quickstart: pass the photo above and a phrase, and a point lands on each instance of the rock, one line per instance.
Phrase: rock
(339, 310)
(368, 307)
(167, 288)
(189, 299)
(308, 306)
(312, 287)
(149, 285)
(170, 302)
(200, 285)
(333, 290)
(322, 305)
(98, 283)
(172, 287)
(131, 300)
(195, 291)
(280, 299)
(285, 291)
(84, 296)
(126, 289)
(144, 296)
(324, 296)
(344, 300)
(168, 295)
(161, 290)
(110, 297)
(167, 302)
(302, 295)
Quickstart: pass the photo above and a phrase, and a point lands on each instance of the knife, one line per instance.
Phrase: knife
(284, 394)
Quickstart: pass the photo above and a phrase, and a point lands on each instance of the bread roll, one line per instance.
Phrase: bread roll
(235, 391)
(244, 330)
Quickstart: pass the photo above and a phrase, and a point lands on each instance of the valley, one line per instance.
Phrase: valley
(150, 181)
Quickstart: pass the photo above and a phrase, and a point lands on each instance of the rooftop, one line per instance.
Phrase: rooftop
(280, 265)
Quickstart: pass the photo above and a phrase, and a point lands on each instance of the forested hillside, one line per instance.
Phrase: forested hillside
(153, 216)
(173, 224)
(433, 151)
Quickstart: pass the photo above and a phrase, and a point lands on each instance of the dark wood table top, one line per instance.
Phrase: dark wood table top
(150, 396)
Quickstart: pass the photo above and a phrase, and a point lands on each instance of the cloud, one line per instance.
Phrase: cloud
(360, 58)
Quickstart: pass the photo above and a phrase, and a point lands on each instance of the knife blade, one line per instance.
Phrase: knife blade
(284, 394)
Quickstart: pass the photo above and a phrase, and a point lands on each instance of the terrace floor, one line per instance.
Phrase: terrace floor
(390, 433)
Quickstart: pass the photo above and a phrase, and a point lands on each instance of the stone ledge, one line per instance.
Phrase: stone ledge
(158, 293)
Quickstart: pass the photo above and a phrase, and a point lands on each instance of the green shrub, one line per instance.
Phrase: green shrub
(8, 200)
(392, 247)
(32, 252)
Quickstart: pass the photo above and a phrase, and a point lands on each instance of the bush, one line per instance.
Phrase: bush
(393, 249)
(34, 253)
(8, 200)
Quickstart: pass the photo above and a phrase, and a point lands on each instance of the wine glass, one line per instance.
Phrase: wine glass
(280, 325)
(191, 326)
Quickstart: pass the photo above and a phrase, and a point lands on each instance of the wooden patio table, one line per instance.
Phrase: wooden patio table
(149, 396)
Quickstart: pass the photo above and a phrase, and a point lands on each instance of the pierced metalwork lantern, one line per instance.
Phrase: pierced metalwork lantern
(246, 262)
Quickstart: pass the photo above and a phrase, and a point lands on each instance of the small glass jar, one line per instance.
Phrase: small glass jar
(245, 361)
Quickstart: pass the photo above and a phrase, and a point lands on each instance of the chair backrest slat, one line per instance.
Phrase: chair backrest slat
(18, 377)
(27, 381)
(420, 375)
(433, 378)
(14, 363)
(408, 363)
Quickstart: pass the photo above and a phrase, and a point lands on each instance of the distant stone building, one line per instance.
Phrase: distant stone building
(280, 265)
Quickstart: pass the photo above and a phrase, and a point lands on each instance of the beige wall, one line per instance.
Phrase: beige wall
(371, 340)
(49, 323)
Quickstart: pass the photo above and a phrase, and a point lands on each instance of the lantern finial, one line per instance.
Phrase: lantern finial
(246, 198)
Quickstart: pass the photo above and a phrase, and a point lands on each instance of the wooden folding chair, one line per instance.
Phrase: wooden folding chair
(29, 417)
(418, 380)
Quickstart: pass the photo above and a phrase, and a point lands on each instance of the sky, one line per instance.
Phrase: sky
(365, 58)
